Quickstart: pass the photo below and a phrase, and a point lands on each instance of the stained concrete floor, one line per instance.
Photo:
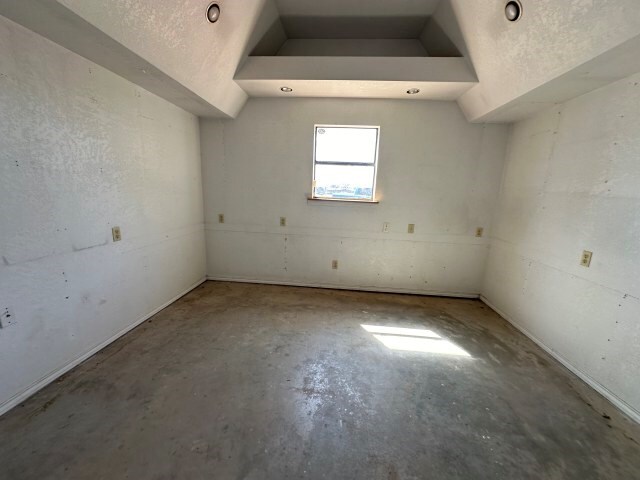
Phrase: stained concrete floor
(238, 381)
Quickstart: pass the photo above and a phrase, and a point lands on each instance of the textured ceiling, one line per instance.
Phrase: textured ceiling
(552, 51)
(558, 50)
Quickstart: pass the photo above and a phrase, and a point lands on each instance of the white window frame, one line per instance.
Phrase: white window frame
(375, 165)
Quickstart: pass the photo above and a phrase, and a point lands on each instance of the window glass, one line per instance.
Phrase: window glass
(345, 162)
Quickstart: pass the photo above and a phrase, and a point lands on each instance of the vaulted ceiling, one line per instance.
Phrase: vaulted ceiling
(463, 50)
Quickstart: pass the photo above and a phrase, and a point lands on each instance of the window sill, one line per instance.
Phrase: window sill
(340, 200)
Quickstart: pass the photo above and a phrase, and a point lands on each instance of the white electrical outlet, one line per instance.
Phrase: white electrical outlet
(283, 221)
(116, 234)
(585, 259)
(334, 264)
(411, 228)
(385, 227)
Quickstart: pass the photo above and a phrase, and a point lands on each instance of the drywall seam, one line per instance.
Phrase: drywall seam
(58, 372)
(354, 234)
(146, 241)
(531, 258)
(598, 387)
(489, 225)
(359, 288)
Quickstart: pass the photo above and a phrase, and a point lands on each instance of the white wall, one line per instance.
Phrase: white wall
(435, 170)
(572, 183)
(82, 150)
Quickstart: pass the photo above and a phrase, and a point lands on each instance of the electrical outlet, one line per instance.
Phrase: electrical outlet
(479, 232)
(334, 264)
(411, 228)
(7, 318)
(221, 218)
(385, 227)
(283, 221)
(116, 234)
(585, 260)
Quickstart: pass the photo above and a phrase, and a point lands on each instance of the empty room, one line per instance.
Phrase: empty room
(293, 239)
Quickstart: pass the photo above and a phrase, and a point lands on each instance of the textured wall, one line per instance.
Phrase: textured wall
(435, 170)
(572, 183)
(82, 150)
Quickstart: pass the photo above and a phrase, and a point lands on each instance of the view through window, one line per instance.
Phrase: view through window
(345, 162)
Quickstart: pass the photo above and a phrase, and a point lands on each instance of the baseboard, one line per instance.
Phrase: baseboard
(346, 287)
(50, 377)
(601, 389)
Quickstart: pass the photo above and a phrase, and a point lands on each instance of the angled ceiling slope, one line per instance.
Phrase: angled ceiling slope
(165, 46)
(351, 48)
(556, 51)
(168, 47)
(499, 71)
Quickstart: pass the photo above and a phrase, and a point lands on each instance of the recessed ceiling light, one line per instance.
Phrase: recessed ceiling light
(213, 12)
(513, 10)
(413, 91)
(287, 89)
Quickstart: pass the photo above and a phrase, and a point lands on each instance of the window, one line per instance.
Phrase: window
(345, 161)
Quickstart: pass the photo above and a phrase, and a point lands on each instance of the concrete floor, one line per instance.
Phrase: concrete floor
(238, 381)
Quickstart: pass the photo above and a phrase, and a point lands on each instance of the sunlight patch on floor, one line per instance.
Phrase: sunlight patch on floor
(414, 340)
